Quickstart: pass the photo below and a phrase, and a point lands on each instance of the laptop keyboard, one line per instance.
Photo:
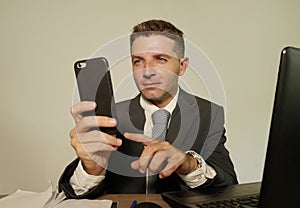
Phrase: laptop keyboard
(246, 202)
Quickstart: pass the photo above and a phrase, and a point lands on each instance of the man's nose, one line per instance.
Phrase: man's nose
(149, 70)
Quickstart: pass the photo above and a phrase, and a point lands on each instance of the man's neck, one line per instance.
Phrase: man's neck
(146, 104)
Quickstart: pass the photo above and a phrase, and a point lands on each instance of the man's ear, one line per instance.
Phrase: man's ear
(184, 63)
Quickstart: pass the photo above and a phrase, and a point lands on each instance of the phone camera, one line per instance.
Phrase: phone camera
(81, 65)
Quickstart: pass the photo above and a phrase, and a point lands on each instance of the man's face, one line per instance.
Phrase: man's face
(156, 68)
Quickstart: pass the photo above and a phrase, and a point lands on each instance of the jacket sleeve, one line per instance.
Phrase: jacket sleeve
(65, 186)
(215, 153)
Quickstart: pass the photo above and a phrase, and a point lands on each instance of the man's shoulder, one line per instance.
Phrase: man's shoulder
(201, 101)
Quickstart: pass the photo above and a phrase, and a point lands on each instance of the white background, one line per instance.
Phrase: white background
(40, 40)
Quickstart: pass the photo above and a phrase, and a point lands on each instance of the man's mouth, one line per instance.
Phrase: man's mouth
(151, 85)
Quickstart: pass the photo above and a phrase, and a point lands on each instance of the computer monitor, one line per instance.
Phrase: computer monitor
(281, 177)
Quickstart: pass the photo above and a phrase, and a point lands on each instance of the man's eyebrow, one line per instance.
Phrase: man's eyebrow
(163, 54)
(156, 55)
(136, 56)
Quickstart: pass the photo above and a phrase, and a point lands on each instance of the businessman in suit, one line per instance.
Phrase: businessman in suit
(189, 153)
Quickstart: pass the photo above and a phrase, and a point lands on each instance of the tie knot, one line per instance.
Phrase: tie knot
(160, 116)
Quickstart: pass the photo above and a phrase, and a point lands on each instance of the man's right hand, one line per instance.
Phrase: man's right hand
(93, 147)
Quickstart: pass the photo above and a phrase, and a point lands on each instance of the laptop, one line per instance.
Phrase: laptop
(280, 186)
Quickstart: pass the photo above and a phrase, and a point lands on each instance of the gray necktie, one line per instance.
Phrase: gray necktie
(160, 119)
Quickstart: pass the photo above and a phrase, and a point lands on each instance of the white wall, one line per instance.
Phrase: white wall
(40, 40)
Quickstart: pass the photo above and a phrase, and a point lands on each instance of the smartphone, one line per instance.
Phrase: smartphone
(94, 84)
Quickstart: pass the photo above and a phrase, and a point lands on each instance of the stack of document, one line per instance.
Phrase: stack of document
(48, 199)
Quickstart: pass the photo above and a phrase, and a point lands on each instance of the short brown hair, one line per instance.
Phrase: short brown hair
(160, 27)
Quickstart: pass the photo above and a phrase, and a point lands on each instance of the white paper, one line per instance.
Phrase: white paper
(48, 199)
(24, 199)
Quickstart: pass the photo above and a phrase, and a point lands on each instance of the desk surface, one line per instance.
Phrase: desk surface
(125, 200)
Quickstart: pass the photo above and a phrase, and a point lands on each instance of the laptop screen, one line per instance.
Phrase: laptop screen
(281, 177)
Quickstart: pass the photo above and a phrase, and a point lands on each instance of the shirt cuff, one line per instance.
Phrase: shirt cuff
(200, 175)
(81, 181)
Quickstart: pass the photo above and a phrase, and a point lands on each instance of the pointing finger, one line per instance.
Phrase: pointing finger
(143, 139)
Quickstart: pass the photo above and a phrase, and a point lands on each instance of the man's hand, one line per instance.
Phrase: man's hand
(161, 157)
(93, 147)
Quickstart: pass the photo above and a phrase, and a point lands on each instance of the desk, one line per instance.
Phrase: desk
(125, 200)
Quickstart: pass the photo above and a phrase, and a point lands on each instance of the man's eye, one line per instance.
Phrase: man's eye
(136, 61)
(161, 60)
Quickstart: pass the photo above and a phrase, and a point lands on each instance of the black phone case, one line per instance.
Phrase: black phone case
(94, 84)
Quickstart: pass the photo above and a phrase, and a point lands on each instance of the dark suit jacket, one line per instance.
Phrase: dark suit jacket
(195, 124)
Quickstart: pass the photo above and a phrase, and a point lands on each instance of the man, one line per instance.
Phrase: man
(189, 153)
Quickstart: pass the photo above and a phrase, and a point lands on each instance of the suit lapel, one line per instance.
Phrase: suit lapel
(137, 119)
(136, 114)
(185, 118)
